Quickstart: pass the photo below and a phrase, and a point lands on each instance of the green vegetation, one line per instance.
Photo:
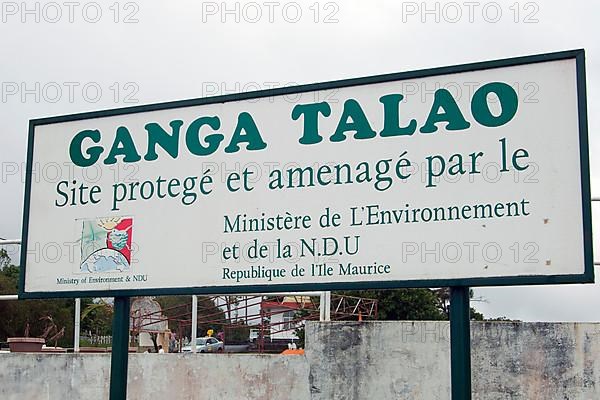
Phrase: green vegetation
(17, 315)
(412, 304)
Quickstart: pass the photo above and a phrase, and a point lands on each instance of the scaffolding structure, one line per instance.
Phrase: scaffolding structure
(261, 313)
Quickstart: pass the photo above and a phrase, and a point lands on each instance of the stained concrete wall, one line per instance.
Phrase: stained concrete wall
(154, 376)
(379, 360)
(406, 360)
(368, 360)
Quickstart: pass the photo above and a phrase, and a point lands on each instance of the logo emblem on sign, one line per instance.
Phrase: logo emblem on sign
(106, 244)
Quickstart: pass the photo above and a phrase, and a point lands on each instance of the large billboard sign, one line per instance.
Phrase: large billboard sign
(468, 175)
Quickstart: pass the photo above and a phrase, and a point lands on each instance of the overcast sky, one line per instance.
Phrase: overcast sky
(60, 59)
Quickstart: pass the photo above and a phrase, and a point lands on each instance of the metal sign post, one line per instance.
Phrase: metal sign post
(120, 349)
(77, 325)
(460, 343)
(194, 323)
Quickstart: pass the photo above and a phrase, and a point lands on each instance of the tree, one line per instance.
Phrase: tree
(237, 332)
(4, 259)
(17, 315)
(404, 304)
(231, 301)
(443, 295)
(9, 274)
(96, 316)
(412, 304)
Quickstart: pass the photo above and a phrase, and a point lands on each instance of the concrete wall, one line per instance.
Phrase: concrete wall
(406, 360)
(154, 376)
(368, 360)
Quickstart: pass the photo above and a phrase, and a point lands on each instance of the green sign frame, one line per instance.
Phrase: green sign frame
(586, 277)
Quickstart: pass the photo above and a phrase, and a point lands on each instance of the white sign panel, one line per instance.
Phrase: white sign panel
(468, 175)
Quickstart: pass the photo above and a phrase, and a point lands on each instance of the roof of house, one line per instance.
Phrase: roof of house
(289, 302)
